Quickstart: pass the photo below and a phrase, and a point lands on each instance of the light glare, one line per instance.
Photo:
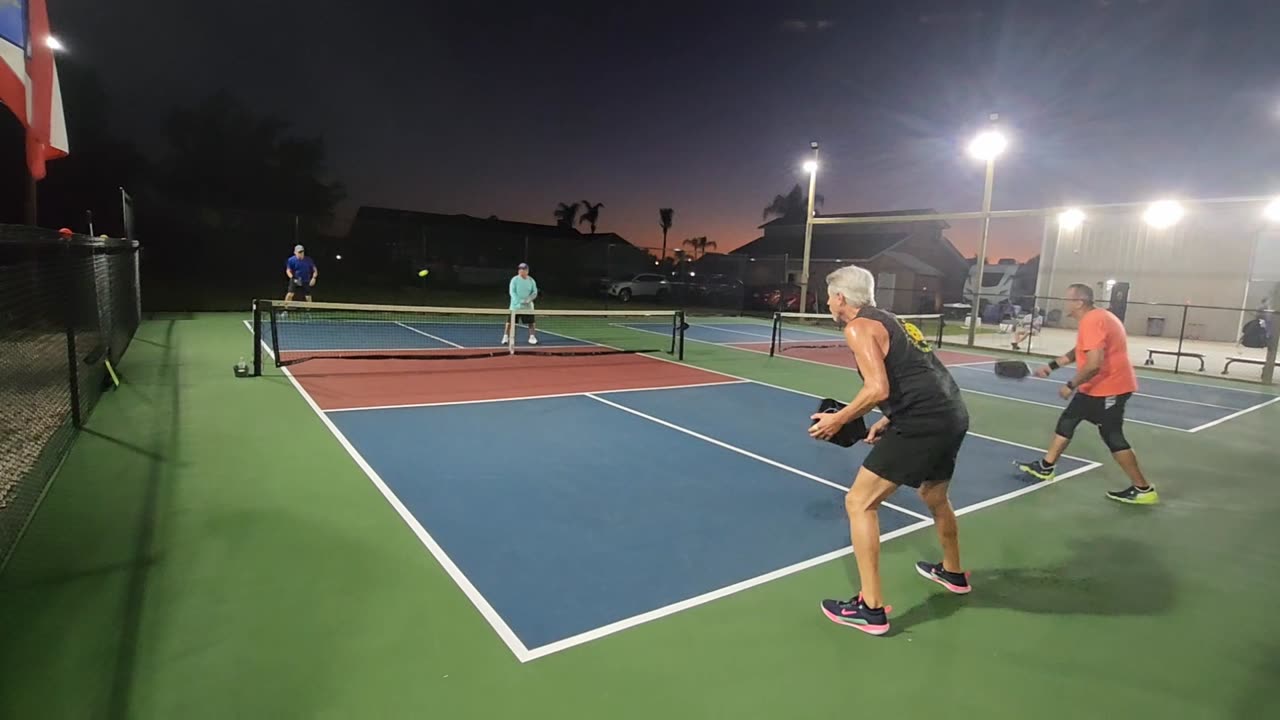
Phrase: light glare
(54, 44)
(1272, 212)
(988, 145)
(1071, 218)
(1163, 214)
(810, 166)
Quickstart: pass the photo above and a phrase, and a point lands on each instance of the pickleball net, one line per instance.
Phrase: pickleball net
(295, 332)
(797, 331)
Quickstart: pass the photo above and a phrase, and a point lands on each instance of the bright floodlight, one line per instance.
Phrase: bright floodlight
(988, 145)
(54, 44)
(337, 257)
(1163, 214)
(810, 166)
(1272, 212)
(1071, 218)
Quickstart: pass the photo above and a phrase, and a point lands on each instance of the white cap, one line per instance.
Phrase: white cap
(298, 248)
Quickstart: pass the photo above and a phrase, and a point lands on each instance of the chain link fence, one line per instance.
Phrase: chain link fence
(68, 306)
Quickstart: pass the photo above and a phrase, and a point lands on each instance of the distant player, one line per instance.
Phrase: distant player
(1102, 386)
(523, 291)
(915, 443)
(302, 274)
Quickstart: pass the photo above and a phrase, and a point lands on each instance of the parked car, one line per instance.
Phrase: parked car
(643, 285)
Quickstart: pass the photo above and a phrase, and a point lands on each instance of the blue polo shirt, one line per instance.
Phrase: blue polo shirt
(302, 269)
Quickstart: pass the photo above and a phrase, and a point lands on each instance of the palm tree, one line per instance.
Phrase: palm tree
(566, 214)
(793, 205)
(700, 245)
(664, 221)
(591, 214)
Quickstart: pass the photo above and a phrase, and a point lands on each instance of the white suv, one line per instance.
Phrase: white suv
(642, 285)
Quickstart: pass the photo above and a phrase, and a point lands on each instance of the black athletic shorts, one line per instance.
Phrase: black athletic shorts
(298, 290)
(1107, 412)
(524, 320)
(913, 460)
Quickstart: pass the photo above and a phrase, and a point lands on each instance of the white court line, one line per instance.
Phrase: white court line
(478, 600)
(1233, 416)
(740, 451)
(736, 332)
(1139, 394)
(688, 603)
(524, 654)
(532, 397)
(426, 334)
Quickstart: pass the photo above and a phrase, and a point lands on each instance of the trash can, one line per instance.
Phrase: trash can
(1155, 326)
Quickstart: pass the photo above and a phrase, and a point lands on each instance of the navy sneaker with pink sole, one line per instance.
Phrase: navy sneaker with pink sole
(855, 614)
(957, 583)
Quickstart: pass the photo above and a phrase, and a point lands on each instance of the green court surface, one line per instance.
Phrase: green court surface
(209, 551)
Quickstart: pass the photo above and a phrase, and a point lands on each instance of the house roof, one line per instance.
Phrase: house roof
(879, 213)
(913, 264)
(827, 244)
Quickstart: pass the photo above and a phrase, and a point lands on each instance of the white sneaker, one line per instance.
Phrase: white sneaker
(533, 340)
(505, 340)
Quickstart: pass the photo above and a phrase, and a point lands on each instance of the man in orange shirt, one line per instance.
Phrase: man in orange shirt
(1102, 385)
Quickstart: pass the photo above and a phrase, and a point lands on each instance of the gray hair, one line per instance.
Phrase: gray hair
(856, 284)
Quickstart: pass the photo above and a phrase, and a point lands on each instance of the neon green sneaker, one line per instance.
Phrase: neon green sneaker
(1037, 469)
(1135, 496)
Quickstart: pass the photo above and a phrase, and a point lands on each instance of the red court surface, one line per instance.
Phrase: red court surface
(339, 384)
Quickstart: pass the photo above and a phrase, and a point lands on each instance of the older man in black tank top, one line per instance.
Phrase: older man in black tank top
(915, 443)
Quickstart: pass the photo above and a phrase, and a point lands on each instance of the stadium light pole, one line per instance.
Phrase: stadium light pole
(810, 167)
(986, 146)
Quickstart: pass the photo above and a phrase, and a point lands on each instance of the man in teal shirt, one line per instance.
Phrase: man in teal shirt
(523, 290)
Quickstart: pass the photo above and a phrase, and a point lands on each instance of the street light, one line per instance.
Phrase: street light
(810, 167)
(1272, 211)
(54, 44)
(987, 146)
(1163, 214)
(1071, 218)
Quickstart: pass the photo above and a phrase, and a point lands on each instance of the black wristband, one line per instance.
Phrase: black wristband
(1053, 365)
(1071, 384)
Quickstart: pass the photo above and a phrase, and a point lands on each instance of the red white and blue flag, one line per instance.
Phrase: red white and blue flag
(29, 80)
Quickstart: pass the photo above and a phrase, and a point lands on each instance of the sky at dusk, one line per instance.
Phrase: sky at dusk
(508, 109)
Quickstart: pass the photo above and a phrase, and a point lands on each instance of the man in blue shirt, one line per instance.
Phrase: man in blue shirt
(302, 274)
(523, 290)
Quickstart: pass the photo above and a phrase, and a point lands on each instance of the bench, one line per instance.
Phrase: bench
(1245, 360)
(1151, 352)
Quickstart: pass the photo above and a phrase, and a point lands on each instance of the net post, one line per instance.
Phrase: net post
(942, 321)
(775, 333)
(511, 335)
(1273, 347)
(677, 339)
(257, 340)
(275, 333)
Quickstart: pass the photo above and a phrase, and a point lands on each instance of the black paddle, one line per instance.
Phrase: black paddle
(848, 435)
(1012, 369)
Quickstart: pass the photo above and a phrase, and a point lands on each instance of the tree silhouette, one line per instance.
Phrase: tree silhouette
(700, 245)
(665, 217)
(793, 205)
(566, 214)
(590, 214)
(224, 155)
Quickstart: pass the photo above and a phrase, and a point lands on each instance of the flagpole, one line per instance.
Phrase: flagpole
(30, 211)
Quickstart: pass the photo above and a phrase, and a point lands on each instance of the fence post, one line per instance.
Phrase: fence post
(257, 340)
(1182, 334)
(1273, 340)
(69, 320)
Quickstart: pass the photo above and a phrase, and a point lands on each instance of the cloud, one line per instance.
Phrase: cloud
(805, 26)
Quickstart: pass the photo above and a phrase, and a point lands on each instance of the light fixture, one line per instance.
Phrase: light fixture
(54, 44)
(1272, 211)
(811, 166)
(988, 145)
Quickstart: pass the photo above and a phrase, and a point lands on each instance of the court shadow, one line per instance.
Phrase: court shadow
(1105, 576)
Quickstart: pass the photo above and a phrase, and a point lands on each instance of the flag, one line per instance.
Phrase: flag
(29, 80)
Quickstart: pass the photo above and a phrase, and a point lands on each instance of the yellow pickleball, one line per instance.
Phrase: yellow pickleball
(423, 273)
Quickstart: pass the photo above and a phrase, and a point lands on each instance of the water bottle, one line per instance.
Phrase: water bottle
(242, 367)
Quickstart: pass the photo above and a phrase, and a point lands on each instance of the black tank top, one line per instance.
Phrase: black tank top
(923, 397)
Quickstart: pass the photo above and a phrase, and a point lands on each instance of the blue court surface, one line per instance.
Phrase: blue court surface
(470, 332)
(567, 518)
(1170, 404)
(739, 333)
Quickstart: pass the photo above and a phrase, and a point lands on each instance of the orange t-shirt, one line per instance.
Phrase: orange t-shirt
(1100, 330)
